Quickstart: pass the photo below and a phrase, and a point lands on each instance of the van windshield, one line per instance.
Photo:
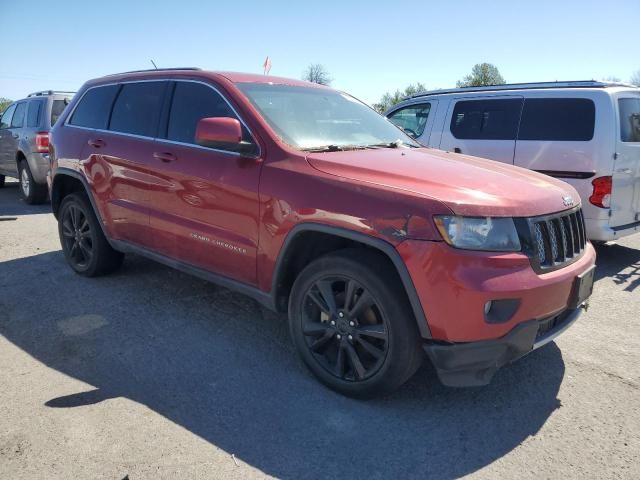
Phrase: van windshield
(629, 119)
(310, 118)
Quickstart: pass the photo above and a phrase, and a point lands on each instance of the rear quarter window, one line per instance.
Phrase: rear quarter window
(94, 107)
(486, 119)
(558, 119)
(629, 119)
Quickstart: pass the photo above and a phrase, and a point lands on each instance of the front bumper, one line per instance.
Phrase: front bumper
(475, 363)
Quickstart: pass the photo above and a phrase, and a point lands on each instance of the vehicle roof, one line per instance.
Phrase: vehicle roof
(235, 77)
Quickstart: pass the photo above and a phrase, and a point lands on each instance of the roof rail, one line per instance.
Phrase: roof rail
(525, 86)
(46, 92)
(154, 70)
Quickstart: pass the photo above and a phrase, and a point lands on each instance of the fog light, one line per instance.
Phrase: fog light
(500, 311)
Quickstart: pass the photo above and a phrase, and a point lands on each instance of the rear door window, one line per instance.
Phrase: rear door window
(34, 113)
(5, 121)
(18, 117)
(137, 109)
(57, 107)
(412, 119)
(94, 107)
(557, 119)
(486, 119)
(629, 119)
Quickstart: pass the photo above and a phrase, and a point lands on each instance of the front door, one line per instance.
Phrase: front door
(483, 127)
(204, 209)
(625, 195)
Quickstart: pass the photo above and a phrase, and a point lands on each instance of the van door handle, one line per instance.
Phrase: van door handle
(166, 157)
(96, 142)
(457, 150)
(624, 171)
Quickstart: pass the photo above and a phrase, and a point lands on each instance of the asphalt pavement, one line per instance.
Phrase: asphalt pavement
(152, 373)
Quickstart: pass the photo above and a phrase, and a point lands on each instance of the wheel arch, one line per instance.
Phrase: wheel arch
(331, 238)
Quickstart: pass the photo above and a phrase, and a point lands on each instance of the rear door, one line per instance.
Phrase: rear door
(416, 119)
(625, 201)
(484, 127)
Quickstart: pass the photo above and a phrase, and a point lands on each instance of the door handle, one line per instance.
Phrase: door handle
(166, 157)
(15, 135)
(457, 150)
(96, 142)
(624, 171)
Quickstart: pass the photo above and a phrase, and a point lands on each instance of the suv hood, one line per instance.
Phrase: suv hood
(467, 185)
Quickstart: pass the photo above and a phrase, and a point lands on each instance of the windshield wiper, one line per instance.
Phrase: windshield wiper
(335, 148)
(396, 144)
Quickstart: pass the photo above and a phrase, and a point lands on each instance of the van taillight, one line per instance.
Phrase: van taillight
(601, 196)
(42, 142)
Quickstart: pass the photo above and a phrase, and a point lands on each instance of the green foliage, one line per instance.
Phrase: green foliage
(4, 103)
(316, 73)
(482, 74)
(388, 100)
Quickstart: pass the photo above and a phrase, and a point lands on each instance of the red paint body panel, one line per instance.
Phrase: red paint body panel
(231, 215)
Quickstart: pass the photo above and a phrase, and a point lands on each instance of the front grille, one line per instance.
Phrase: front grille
(555, 240)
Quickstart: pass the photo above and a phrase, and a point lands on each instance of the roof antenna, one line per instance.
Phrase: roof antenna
(154, 64)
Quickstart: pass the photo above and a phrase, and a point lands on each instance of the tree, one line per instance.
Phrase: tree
(316, 73)
(482, 74)
(635, 79)
(4, 103)
(612, 79)
(388, 100)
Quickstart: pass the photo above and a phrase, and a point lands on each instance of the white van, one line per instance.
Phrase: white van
(585, 133)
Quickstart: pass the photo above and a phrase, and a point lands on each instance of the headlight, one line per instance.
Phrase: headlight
(479, 233)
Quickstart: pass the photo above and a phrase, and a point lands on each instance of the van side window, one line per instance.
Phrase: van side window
(412, 119)
(18, 117)
(5, 121)
(137, 108)
(629, 119)
(191, 103)
(34, 113)
(57, 107)
(486, 119)
(557, 119)
(94, 107)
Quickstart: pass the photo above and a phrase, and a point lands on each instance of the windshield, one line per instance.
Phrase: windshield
(316, 118)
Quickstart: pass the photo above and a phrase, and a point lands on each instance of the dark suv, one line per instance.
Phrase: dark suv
(310, 202)
(24, 141)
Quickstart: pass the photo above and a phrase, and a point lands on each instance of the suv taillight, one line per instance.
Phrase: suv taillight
(42, 142)
(601, 196)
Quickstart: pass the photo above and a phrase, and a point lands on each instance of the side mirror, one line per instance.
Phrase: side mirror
(219, 132)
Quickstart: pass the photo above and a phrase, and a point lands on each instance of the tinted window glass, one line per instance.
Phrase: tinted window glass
(94, 107)
(18, 117)
(412, 119)
(486, 119)
(137, 108)
(629, 119)
(6, 117)
(559, 119)
(57, 107)
(191, 103)
(34, 112)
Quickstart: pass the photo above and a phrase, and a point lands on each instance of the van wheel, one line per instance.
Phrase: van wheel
(33, 193)
(83, 243)
(351, 323)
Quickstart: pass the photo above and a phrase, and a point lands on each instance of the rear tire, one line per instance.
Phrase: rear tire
(33, 193)
(84, 245)
(352, 324)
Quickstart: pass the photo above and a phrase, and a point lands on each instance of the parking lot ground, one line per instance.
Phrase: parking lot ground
(151, 373)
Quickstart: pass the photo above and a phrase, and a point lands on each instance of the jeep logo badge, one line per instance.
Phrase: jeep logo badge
(568, 201)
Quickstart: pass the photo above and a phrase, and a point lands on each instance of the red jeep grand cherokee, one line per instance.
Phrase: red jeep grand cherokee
(310, 202)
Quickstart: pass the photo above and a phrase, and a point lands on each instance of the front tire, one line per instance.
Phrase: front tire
(352, 325)
(84, 245)
(33, 193)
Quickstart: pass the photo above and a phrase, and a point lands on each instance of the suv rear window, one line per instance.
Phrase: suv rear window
(629, 119)
(57, 107)
(486, 119)
(557, 119)
(34, 113)
(94, 107)
(412, 119)
(137, 108)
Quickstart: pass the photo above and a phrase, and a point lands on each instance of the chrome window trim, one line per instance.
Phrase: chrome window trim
(166, 140)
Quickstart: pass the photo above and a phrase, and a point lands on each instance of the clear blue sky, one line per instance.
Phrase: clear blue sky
(368, 47)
